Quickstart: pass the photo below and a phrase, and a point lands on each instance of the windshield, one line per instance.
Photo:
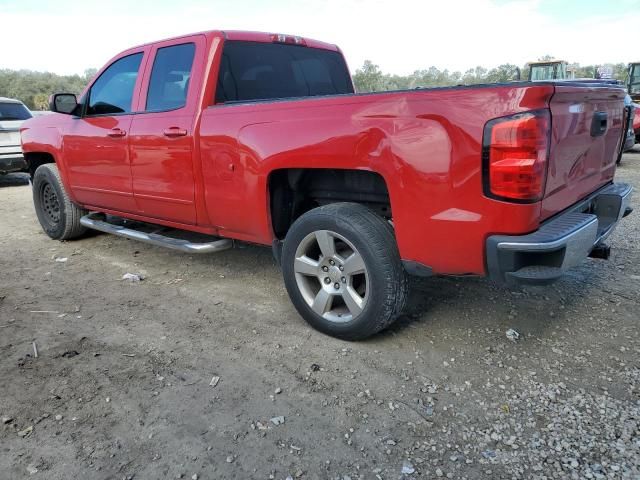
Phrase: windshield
(14, 111)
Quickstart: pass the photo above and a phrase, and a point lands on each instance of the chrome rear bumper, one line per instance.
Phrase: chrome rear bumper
(560, 243)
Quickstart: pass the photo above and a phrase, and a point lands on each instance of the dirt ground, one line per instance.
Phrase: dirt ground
(121, 386)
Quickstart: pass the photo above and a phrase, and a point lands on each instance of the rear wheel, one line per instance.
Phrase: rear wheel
(343, 272)
(58, 216)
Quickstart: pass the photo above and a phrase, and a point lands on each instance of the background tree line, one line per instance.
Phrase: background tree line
(369, 77)
(34, 88)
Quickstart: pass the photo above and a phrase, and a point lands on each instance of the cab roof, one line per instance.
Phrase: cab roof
(247, 36)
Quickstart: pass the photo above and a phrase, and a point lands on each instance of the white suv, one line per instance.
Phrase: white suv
(12, 114)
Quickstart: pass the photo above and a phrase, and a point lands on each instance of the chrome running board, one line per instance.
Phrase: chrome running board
(97, 221)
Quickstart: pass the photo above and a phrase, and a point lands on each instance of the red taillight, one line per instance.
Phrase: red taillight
(280, 38)
(515, 153)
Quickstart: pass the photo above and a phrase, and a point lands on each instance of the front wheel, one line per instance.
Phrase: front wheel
(58, 215)
(343, 272)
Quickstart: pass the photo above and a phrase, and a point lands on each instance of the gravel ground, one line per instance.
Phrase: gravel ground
(123, 384)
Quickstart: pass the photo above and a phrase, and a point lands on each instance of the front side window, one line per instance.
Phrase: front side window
(262, 71)
(170, 76)
(14, 111)
(112, 92)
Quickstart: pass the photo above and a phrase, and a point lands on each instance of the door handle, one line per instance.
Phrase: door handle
(116, 132)
(173, 132)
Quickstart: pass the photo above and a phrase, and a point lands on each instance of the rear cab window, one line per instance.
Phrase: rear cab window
(13, 111)
(254, 71)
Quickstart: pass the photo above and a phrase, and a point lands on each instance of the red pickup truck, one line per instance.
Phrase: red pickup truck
(197, 141)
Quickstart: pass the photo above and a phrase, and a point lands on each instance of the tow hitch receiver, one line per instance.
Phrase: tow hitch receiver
(601, 251)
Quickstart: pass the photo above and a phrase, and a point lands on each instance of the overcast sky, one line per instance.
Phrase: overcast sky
(68, 36)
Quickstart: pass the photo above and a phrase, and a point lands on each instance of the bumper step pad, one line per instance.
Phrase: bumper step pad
(535, 275)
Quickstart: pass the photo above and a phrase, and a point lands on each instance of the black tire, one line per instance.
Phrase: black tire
(58, 215)
(386, 279)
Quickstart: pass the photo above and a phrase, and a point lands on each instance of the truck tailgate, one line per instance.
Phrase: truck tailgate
(586, 137)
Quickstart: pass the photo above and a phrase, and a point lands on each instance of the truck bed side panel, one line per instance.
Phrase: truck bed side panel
(425, 144)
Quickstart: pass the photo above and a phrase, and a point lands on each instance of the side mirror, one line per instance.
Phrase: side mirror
(63, 103)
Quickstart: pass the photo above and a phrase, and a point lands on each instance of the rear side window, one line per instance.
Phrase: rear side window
(170, 76)
(14, 111)
(112, 92)
(262, 71)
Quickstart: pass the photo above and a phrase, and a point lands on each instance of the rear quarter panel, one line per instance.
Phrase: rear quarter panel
(425, 144)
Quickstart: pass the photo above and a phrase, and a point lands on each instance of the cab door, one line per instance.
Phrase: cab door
(162, 133)
(96, 144)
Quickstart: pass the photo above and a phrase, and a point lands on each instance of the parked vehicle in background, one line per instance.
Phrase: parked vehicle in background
(37, 113)
(631, 117)
(560, 70)
(603, 72)
(549, 70)
(633, 81)
(633, 87)
(12, 114)
(260, 137)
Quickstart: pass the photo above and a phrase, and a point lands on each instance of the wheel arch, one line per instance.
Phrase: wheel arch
(35, 159)
(292, 192)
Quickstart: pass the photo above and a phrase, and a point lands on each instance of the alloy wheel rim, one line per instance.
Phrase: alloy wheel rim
(332, 276)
